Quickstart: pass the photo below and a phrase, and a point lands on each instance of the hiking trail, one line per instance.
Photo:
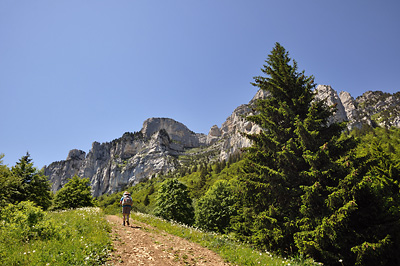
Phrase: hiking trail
(142, 244)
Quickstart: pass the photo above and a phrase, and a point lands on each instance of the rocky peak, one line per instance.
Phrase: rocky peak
(325, 92)
(382, 108)
(76, 155)
(177, 131)
(164, 144)
(213, 135)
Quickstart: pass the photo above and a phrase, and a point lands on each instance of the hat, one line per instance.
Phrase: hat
(126, 193)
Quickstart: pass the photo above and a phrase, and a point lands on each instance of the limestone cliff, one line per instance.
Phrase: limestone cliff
(164, 145)
(372, 108)
(125, 161)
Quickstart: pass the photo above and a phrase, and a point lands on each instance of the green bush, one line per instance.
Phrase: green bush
(214, 210)
(30, 236)
(174, 203)
(75, 194)
(25, 221)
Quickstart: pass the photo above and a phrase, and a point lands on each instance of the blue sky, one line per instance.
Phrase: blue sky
(74, 72)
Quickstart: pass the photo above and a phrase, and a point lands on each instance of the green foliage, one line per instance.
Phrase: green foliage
(24, 222)
(25, 182)
(292, 154)
(110, 203)
(8, 184)
(30, 236)
(305, 187)
(75, 194)
(214, 210)
(387, 139)
(230, 250)
(363, 224)
(174, 203)
(294, 171)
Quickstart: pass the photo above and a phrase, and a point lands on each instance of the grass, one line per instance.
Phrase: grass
(29, 236)
(232, 251)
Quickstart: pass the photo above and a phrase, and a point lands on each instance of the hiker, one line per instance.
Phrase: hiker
(126, 202)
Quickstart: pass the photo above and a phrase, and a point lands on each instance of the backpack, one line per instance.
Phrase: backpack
(127, 201)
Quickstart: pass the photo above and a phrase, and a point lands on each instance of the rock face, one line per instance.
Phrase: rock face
(372, 108)
(178, 132)
(332, 98)
(125, 161)
(163, 144)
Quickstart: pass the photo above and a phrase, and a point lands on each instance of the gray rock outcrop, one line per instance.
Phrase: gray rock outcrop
(164, 145)
(125, 161)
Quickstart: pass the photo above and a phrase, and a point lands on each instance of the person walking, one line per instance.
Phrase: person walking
(126, 202)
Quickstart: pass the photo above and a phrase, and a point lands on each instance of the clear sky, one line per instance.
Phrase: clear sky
(77, 71)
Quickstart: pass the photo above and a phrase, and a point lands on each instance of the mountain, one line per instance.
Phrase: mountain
(164, 145)
(373, 108)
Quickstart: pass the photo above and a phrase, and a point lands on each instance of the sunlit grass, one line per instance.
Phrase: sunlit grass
(232, 251)
(73, 237)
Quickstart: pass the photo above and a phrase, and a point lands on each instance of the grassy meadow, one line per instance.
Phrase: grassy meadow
(30, 236)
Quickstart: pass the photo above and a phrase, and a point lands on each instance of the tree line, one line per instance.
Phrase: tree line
(24, 182)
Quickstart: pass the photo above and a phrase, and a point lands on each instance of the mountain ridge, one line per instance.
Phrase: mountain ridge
(164, 145)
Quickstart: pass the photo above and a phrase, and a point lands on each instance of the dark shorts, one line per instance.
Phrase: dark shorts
(126, 209)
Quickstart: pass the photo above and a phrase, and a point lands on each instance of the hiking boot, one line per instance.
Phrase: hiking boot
(127, 222)
(123, 223)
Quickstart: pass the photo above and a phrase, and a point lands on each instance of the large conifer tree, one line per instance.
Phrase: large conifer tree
(302, 186)
(294, 155)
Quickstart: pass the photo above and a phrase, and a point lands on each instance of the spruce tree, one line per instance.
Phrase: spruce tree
(362, 226)
(292, 160)
(33, 184)
(304, 187)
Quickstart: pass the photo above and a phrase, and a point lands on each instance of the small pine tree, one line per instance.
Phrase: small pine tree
(33, 184)
(146, 200)
(217, 168)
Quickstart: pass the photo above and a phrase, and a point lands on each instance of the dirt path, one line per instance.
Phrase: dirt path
(141, 244)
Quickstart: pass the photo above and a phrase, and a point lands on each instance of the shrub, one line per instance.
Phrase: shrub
(214, 210)
(30, 236)
(75, 194)
(174, 203)
(24, 222)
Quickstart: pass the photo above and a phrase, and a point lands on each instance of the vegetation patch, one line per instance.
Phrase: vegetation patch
(30, 236)
(229, 249)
